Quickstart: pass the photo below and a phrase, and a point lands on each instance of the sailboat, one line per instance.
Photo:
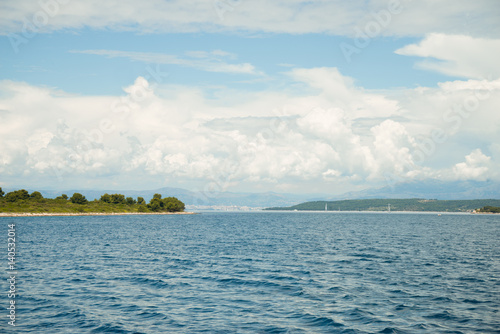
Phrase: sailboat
(326, 206)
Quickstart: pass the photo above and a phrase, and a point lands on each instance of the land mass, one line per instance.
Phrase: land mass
(20, 202)
(412, 204)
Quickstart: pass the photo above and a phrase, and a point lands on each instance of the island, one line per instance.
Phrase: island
(21, 202)
(412, 204)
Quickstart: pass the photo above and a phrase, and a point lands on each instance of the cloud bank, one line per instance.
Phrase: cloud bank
(340, 135)
(318, 129)
(337, 17)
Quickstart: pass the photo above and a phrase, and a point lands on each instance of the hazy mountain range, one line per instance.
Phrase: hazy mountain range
(429, 190)
(432, 189)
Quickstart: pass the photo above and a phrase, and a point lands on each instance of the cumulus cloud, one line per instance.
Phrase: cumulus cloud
(392, 148)
(338, 90)
(475, 167)
(457, 55)
(337, 17)
(333, 132)
(456, 108)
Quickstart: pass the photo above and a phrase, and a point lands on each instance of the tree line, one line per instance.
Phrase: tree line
(490, 209)
(106, 201)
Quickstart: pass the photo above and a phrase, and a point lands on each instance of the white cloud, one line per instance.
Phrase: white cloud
(457, 108)
(331, 174)
(339, 90)
(457, 55)
(392, 148)
(337, 17)
(202, 60)
(475, 167)
(332, 133)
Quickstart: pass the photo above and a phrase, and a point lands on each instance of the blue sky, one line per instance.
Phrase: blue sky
(48, 58)
(287, 96)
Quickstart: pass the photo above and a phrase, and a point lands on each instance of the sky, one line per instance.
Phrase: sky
(324, 96)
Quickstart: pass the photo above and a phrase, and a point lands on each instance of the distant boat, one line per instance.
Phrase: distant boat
(326, 206)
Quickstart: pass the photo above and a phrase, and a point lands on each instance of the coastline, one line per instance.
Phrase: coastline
(55, 214)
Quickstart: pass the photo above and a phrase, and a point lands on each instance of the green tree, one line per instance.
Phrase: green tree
(1, 192)
(106, 198)
(36, 195)
(172, 204)
(17, 195)
(118, 199)
(130, 201)
(140, 200)
(113, 198)
(62, 197)
(155, 205)
(78, 198)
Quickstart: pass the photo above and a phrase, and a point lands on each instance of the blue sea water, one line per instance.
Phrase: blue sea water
(266, 272)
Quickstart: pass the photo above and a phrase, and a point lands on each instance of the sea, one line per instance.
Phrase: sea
(254, 272)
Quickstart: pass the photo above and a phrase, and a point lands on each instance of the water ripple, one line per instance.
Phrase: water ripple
(259, 273)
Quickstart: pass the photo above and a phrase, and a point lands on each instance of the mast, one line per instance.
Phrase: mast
(389, 207)
(326, 206)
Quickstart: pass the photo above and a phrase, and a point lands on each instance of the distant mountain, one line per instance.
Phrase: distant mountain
(431, 189)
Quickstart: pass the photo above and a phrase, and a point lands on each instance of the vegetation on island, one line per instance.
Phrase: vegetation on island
(489, 209)
(21, 201)
(412, 204)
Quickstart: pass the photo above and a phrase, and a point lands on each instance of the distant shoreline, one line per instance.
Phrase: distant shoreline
(55, 214)
(396, 204)
(377, 211)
